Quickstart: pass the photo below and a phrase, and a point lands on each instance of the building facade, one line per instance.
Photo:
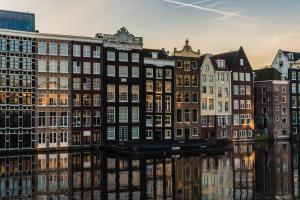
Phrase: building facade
(272, 103)
(187, 93)
(159, 70)
(17, 93)
(86, 92)
(288, 64)
(20, 21)
(123, 83)
(242, 94)
(53, 108)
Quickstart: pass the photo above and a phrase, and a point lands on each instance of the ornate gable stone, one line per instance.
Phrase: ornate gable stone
(187, 51)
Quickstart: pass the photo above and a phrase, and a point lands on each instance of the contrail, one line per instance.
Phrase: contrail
(226, 14)
(194, 3)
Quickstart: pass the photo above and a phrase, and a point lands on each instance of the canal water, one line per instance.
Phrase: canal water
(248, 171)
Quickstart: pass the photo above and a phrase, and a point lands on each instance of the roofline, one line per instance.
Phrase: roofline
(38, 35)
(274, 81)
(20, 12)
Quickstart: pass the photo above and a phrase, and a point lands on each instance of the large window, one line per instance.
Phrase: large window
(123, 114)
(110, 133)
(64, 48)
(42, 119)
(87, 85)
(111, 56)
(97, 84)
(86, 67)
(123, 57)
(52, 83)
(86, 51)
(64, 83)
(97, 52)
(64, 119)
(96, 68)
(42, 48)
(149, 86)
(97, 118)
(111, 115)
(135, 114)
(135, 57)
(135, 132)
(135, 93)
(149, 103)
(42, 82)
(123, 71)
(64, 66)
(42, 67)
(76, 118)
(53, 49)
(168, 104)
(123, 93)
(76, 67)
(149, 120)
(111, 93)
(158, 103)
(135, 72)
(111, 70)
(97, 100)
(158, 120)
(87, 118)
(76, 83)
(76, 50)
(52, 119)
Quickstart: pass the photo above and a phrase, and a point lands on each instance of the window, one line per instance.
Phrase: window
(168, 87)
(42, 119)
(236, 119)
(195, 81)
(187, 81)
(76, 67)
(168, 107)
(149, 72)
(53, 49)
(186, 115)
(211, 104)
(248, 104)
(219, 92)
(158, 120)
(242, 62)
(221, 64)
(123, 57)
(135, 71)
(158, 103)
(168, 74)
(242, 76)
(283, 99)
(52, 83)
(159, 73)
(235, 76)
(63, 49)
(204, 104)
(87, 84)
(42, 82)
(248, 90)
(111, 93)
(86, 51)
(242, 104)
(149, 103)
(87, 99)
(195, 115)
(248, 77)
(76, 100)
(158, 86)
(149, 121)
(179, 64)
(42, 138)
(211, 89)
(135, 133)
(194, 132)
(64, 119)
(86, 67)
(123, 71)
(149, 86)
(97, 68)
(53, 66)
(135, 114)
(76, 118)
(178, 80)
(179, 133)
(64, 68)
(52, 119)
(135, 93)
(97, 84)
(178, 115)
(42, 66)
(76, 50)
(42, 49)
(168, 120)
(149, 134)
(194, 97)
(97, 100)
(168, 134)
(110, 133)
(203, 89)
(64, 83)
(135, 57)
(123, 93)
(111, 56)
(194, 64)
(111, 71)
(186, 65)
(242, 90)
(123, 114)
(97, 118)
(53, 138)
(97, 52)
(203, 121)
(76, 83)
(186, 97)
(110, 114)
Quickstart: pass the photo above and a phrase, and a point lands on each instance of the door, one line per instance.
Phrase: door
(187, 133)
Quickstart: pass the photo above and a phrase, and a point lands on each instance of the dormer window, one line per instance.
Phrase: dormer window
(242, 62)
(291, 56)
(154, 55)
(221, 64)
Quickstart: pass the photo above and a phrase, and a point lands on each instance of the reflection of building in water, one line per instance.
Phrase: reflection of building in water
(85, 175)
(243, 171)
(16, 177)
(52, 176)
(188, 177)
(295, 168)
(283, 169)
(217, 177)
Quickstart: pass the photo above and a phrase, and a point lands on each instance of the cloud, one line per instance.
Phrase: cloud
(212, 10)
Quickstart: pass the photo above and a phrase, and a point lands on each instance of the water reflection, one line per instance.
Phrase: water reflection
(261, 171)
